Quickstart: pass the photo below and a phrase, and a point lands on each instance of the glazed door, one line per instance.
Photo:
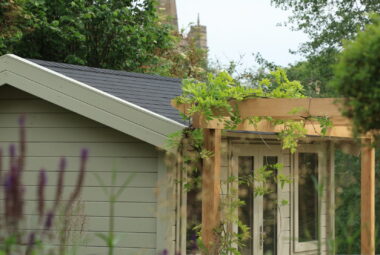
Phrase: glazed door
(260, 210)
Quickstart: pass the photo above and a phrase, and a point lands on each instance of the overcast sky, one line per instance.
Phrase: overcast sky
(241, 27)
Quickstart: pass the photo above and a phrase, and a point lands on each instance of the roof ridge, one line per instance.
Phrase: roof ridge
(103, 70)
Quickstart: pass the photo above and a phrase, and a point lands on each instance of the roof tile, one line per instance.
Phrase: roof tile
(152, 92)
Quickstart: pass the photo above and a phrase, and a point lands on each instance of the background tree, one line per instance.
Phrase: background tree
(115, 34)
(357, 78)
(315, 74)
(326, 23)
(11, 19)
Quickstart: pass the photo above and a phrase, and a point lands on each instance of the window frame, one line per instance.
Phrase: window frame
(309, 245)
(258, 151)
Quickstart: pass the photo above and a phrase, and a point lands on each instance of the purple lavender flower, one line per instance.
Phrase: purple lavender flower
(22, 143)
(62, 164)
(8, 183)
(14, 192)
(21, 121)
(1, 166)
(84, 155)
(49, 221)
(12, 155)
(74, 195)
(12, 150)
(13, 199)
(42, 180)
(60, 182)
(82, 170)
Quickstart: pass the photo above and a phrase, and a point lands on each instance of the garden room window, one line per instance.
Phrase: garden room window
(306, 210)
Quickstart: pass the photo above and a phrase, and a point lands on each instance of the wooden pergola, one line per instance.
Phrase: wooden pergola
(283, 108)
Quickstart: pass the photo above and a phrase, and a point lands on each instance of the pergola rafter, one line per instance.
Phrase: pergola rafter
(283, 109)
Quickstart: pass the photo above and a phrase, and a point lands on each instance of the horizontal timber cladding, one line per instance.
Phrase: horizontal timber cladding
(139, 180)
(100, 209)
(91, 194)
(53, 132)
(71, 149)
(100, 250)
(130, 240)
(48, 120)
(95, 164)
(93, 224)
(61, 135)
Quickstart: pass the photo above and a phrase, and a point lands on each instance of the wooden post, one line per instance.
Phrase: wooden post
(367, 198)
(211, 189)
(331, 198)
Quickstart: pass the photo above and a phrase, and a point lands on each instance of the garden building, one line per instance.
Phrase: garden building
(124, 120)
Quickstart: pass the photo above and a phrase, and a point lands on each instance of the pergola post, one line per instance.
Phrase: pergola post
(211, 188)
(367, 198)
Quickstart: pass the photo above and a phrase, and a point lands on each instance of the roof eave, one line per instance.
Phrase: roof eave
(86, 100)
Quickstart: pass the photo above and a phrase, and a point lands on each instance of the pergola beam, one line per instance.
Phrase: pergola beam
(283, 108)
(312, 127)
(289, 108)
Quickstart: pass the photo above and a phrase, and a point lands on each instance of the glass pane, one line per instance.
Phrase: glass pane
(246, 165)
(307, 197)
(270, 210)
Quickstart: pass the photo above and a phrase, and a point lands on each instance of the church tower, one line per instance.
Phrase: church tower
(198, 32)
(169, 9)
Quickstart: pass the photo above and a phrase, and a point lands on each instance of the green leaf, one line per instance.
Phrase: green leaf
(124, 186)
(102, 184)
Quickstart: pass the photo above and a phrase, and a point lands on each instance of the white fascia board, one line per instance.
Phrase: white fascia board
(86, 100)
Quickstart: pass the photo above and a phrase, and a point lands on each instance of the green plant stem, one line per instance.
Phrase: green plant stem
(111, 225)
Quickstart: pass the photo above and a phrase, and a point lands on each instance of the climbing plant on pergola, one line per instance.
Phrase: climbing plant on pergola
(266, 110)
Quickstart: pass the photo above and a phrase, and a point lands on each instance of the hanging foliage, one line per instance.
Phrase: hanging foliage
(212, 100)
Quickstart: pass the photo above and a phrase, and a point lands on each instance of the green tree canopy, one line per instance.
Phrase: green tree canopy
(11, 20)
(327, 23)
(357, 78)
(116, 34)
(314, 73)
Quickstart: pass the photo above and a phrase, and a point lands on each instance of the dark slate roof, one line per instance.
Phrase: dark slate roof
(151, 92)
